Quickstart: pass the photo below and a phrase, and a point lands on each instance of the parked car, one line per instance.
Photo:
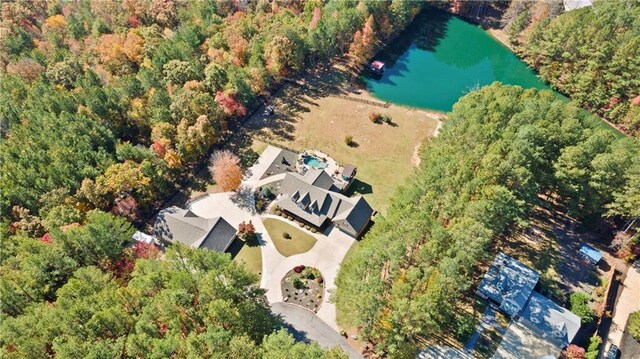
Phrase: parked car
(613, 352)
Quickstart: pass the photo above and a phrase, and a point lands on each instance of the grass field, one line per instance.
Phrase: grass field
(300, 241)
(249, 254)
(383, 154)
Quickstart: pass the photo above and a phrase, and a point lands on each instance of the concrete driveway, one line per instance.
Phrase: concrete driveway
(326, 255)
(628, 303)
(306, 326)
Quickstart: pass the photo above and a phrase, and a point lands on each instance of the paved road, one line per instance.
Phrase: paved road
(628, 303)
(306, 326)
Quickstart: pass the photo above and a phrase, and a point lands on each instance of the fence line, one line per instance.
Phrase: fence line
(368, 102)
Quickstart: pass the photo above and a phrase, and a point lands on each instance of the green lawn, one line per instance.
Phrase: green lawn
(300, 241)
(248, 253)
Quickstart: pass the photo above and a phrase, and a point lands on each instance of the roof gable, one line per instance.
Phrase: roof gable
(179, 225)
(509, 283)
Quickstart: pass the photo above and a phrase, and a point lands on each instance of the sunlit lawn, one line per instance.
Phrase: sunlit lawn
(249, 254)
(300, 241)
(383, 155)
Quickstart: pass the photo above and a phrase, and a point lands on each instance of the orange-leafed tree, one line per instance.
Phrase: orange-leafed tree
(363, 41)
(225, 170)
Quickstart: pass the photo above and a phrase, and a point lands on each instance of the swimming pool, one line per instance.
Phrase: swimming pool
(315, 162)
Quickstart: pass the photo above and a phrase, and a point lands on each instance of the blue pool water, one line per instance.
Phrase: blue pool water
(315, 163)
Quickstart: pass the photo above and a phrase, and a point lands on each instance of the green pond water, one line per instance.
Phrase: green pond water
(439, 58)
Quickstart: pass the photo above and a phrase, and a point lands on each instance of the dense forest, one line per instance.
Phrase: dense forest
(84, 292)
(109, 104)
(591, 54)
(500, 147)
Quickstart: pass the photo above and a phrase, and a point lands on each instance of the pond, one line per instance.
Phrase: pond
(441, 57)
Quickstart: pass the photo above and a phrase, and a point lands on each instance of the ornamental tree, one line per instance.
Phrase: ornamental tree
(225, 169)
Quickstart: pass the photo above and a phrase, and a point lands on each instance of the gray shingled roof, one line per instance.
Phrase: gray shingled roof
(559, 324)
(349, 171)
(318, 205)
(358, 215)
(179, 225)
(319, 178)
(509, 283)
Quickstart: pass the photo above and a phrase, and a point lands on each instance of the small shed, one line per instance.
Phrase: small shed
(143, 237)
(348, 172)
(590, 254)
(378, 65)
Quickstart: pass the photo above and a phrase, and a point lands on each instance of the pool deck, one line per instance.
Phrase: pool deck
(333, 168)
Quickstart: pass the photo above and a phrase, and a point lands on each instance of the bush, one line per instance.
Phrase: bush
(300, 224)
(464, 327)
(579, 304)
(573, 352)
(592, 349)
(313, 230)
(298, 269)
(307, 227)
(387, 119)
(286, 235)
(266, 192)
(309, 273)
(375, 117)
(348, 140)
(298, 283)
(634, 325)
(320, 281)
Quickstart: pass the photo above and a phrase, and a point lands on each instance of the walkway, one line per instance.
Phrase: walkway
(306, 326)
(628, 303)
(326, 255)
(488, 321)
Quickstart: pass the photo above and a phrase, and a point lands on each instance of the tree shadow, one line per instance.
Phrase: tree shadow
(243, 198)
(425, 33)
(358, 187)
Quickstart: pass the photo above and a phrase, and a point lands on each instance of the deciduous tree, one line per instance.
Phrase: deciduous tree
(225, 169)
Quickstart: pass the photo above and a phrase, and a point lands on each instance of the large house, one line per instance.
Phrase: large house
(314, 199)
(182, 225)
(508, 283)
(539, 327)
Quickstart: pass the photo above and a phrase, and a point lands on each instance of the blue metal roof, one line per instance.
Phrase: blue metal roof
(591, 253)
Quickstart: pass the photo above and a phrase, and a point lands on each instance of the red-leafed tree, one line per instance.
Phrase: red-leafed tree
(123, 268)
(246, 231)
(46, 238)
(229, 104)
(127, 207)
(160, 148)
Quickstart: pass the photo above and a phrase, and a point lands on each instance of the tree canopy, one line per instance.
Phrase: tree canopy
(499, 148)
(85, 291)
(591, 54)
(96, 95)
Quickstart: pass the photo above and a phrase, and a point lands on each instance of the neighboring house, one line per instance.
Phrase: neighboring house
(181, 225)
(539, 327)
(315, 200)
(508, 283)
(576, 4)
(549, 320)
